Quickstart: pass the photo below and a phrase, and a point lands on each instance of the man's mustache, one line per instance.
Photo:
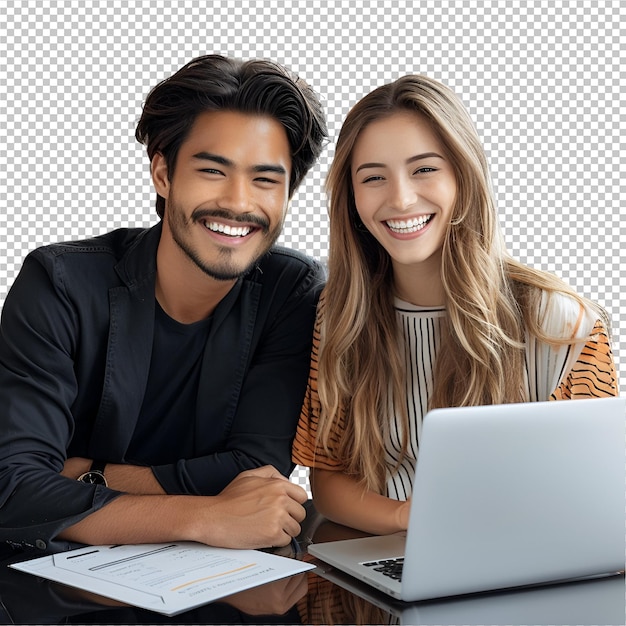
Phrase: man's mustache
(246, 218)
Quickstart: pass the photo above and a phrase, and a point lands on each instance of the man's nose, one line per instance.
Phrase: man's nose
(235, 195)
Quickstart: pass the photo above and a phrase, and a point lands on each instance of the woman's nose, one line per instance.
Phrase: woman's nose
(403, 195)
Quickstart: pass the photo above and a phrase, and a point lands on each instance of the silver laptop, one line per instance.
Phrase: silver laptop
(504, 496)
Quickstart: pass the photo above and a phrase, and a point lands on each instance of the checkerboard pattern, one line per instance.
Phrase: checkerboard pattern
(543, 80)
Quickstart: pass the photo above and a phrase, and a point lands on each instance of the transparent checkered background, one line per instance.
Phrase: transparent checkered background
(542, 80)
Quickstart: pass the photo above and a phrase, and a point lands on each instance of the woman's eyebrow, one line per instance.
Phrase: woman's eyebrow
(425, 155)
(367, 165)
(417, 157)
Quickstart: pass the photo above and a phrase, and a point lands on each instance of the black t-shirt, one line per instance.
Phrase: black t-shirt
(169, 405)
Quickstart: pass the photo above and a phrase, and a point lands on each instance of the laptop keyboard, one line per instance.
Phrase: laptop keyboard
(388, 567)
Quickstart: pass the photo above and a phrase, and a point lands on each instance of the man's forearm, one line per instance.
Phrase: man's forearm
(127, 478)
(134, 519)
(260, 508)
(133, 479)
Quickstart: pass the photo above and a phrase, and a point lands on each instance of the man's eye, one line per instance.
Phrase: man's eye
(210, 170)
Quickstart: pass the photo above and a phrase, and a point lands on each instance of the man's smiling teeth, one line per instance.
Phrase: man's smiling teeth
(231, 231)
(408, 226)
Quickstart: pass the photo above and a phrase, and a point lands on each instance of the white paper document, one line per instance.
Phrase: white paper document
(168, 578)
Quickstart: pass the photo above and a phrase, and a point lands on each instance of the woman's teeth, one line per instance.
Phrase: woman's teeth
(408, 226)
(231, 231)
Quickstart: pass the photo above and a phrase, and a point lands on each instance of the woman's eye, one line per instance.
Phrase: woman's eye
(425, 170)
(371, 179)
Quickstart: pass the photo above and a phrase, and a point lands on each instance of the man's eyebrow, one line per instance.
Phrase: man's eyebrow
(216, 158)
(268, 167)
(262, 167)
(417, 157)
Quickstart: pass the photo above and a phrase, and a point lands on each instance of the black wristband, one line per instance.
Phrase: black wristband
(98, 466)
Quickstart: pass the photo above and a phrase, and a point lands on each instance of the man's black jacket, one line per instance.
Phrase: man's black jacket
(75, 347)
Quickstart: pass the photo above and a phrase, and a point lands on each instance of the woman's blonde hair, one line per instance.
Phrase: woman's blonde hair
(490, 299)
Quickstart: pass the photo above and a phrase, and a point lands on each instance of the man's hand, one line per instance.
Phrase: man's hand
(271, 599)
(260, 508)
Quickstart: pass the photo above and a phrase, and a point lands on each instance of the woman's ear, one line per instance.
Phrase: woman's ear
(160, 179)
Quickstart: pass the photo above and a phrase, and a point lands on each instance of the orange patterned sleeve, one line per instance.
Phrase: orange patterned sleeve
(594, 374)
(305, 449)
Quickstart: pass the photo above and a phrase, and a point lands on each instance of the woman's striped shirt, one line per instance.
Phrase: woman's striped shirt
(582, 370)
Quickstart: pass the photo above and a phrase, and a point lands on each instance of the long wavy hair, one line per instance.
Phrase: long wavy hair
(491, 300)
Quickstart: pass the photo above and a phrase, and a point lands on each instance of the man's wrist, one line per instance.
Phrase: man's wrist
(95, 474)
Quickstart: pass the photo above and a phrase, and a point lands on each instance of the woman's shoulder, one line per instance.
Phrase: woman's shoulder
(566, 316)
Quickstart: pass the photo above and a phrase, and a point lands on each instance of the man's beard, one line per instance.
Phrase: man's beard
(223, 269)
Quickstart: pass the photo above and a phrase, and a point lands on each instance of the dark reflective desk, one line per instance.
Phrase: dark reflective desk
(322, 596)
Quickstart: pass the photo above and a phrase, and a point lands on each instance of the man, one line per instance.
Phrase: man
(151, 380)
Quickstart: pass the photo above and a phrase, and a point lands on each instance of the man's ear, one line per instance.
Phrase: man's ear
(158, 171)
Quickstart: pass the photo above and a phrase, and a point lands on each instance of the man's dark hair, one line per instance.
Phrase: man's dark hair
(215, 83)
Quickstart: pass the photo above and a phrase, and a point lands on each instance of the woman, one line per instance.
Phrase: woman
(423, 307)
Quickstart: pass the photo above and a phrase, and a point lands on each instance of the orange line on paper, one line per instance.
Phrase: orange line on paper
(199, 580)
